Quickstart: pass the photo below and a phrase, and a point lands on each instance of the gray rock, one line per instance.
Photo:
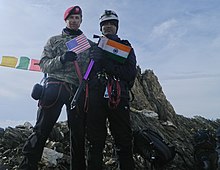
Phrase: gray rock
(2, 131)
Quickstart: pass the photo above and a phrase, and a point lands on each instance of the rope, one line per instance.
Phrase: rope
(78, 72)
(114, 91)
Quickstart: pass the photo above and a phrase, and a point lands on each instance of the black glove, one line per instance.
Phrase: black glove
(68, 56)
(96, 54)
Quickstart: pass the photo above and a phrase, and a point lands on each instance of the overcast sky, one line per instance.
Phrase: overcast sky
(179, 40)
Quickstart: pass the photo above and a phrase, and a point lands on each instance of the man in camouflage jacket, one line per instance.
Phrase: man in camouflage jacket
(59, 88)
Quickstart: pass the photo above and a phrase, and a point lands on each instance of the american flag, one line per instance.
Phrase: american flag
(78, 44)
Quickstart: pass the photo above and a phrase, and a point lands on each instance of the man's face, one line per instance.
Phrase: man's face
(73, 21)
(108, 28)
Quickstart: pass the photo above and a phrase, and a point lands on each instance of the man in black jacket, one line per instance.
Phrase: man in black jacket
(109, 84)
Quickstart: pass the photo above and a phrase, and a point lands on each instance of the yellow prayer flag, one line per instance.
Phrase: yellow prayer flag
(9, 61)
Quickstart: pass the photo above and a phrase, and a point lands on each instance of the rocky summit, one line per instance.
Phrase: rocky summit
(149, 109)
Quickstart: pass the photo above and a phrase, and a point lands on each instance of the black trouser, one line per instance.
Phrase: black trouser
(56, 94)
(119, 120)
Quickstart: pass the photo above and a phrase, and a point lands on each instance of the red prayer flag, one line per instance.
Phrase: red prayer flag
(34, 66)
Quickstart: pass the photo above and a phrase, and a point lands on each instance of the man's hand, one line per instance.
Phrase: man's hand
(68, 56)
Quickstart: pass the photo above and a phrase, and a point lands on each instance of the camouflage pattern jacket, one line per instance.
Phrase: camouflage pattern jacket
(50, 59)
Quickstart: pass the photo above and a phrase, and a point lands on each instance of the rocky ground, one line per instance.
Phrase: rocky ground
(56, 153)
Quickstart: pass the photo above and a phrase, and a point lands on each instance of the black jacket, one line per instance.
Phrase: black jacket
(125, 72)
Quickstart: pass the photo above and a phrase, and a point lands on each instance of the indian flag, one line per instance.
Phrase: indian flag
(116, 50)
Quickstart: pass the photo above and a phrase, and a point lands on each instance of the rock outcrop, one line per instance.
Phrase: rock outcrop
(150, 108)
(149, 95)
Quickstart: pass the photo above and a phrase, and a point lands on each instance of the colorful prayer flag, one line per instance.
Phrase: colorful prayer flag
(116, 50)
(35, 65)
(78, 44)
(23, 63)
(9, 61)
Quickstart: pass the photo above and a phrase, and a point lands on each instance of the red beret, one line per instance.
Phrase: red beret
(72, 10)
